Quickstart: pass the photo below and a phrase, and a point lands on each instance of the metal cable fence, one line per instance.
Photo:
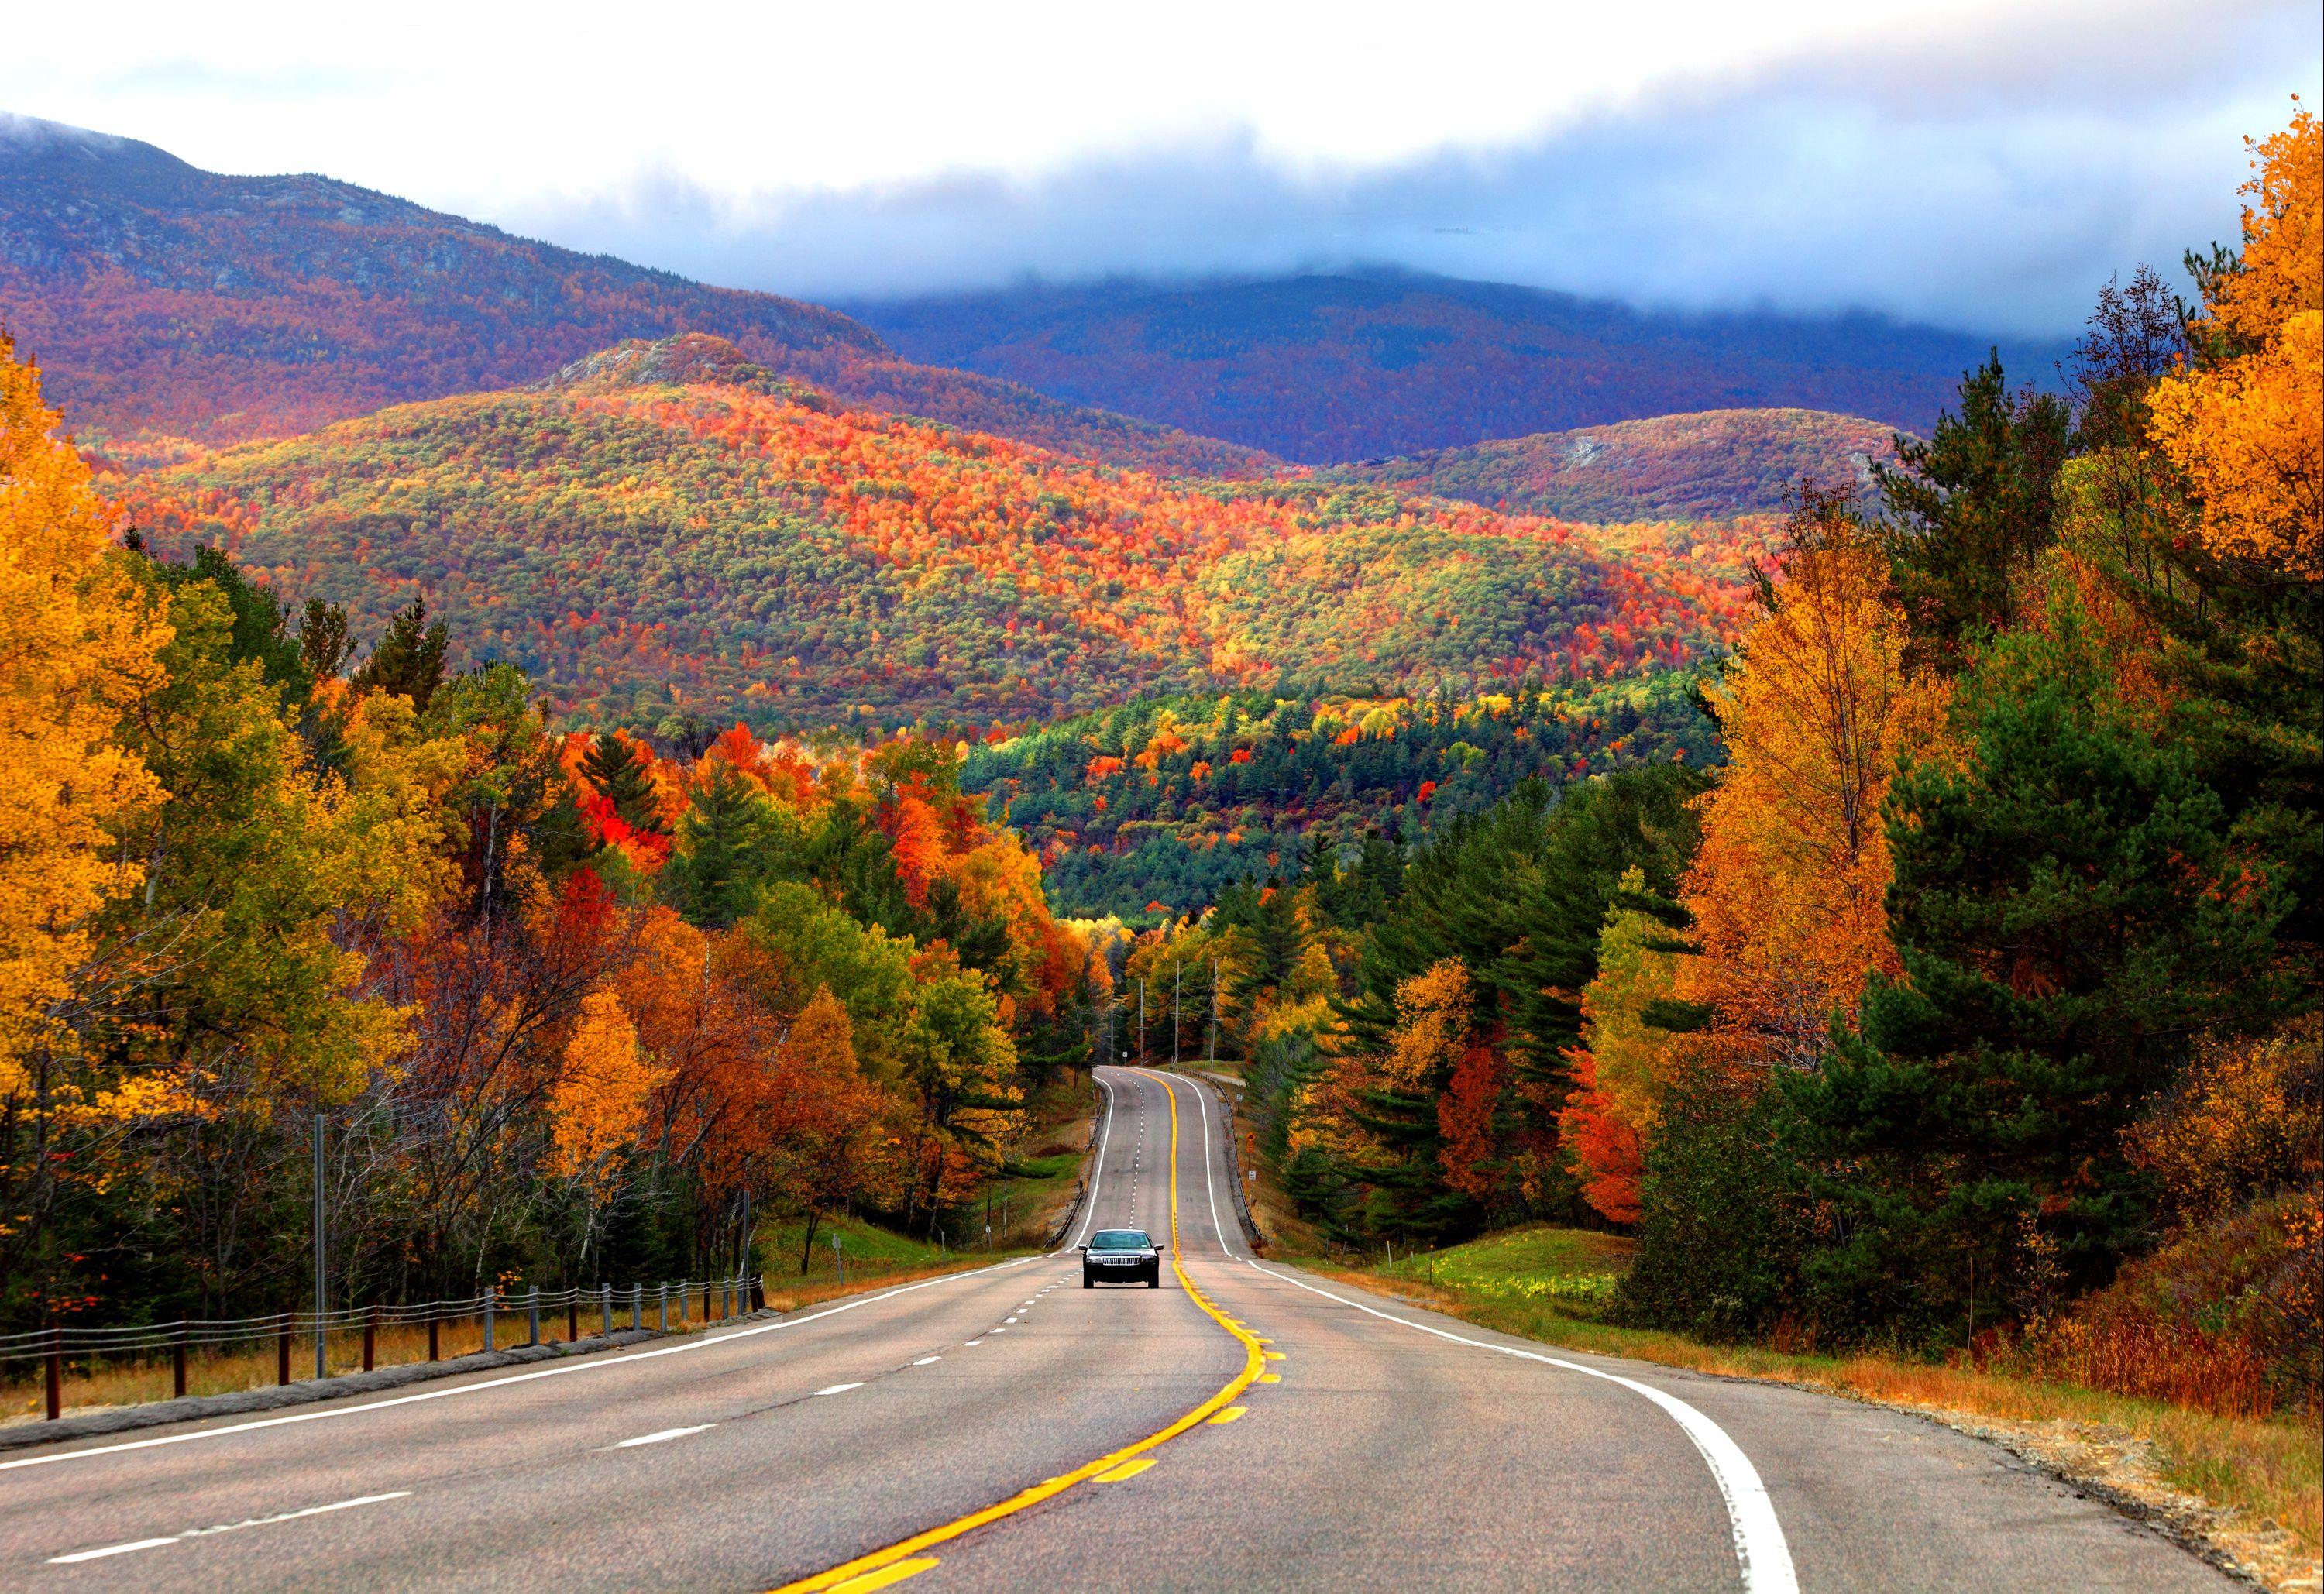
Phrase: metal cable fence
(361, 1338)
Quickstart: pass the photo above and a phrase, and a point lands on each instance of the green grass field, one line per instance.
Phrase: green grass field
(869, 1248)
(1573, 1270)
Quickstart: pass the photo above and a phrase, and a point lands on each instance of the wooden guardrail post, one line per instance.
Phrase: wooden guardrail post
(434, 1347)
(56, 1379)
(178, 1360)
(282, 1350)
(371, 1337)
(572, 1314)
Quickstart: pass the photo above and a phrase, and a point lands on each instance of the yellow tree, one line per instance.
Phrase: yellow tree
(1787, 889)
(597, 1103)
(1431, 1029)
(76, 644)
(2247, 425)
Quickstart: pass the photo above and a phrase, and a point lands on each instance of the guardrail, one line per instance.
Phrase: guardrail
(87, 1349)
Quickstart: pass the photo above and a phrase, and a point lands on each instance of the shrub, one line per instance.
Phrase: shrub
(1720, 1231)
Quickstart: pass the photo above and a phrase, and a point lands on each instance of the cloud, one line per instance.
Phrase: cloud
(1990, 180)
(184, 78)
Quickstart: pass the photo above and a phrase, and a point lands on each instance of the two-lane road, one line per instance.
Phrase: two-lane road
(1007, 1427)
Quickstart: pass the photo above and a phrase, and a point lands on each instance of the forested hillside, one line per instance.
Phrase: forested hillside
(644, 542)
(571, 1006)
(1332, 370)
(1159, 805)
(1700, 466)
(170, 307)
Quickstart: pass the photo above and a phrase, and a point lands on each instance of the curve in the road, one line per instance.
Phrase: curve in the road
(1765, 1558)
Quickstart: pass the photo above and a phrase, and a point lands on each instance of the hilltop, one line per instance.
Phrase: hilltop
(1713, 464)
(1337, 369)
(173, 308)
(674, 523)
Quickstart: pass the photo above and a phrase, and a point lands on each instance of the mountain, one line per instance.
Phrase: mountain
(1335, 369)
(170, 305)
(1707, 465)
(672, 523)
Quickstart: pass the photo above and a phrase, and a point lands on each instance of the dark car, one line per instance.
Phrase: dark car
(1121, 1256)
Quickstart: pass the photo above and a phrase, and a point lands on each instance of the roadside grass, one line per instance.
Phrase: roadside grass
(1038, 1182)
(870, 1250)
(877, 1258)
(92, 1384)
(2256, 1485)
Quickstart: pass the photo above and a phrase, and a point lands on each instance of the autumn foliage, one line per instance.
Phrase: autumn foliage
(571, 1002)
(80, 644)
(2248, 427)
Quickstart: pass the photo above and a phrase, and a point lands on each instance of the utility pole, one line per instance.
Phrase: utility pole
(319, 1298)
(1142, 1022)
(1177, 978)
(1211, 1045)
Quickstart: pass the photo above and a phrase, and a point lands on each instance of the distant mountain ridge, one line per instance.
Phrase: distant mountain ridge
(1337, 369)
(166, 302)
(1711, 464)
(671, 526)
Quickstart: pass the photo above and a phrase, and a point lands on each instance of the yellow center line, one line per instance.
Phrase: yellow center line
(904, 1548)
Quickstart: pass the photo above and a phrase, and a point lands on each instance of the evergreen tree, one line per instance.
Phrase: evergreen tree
(325, 644)
(1969, 510)
(721, 859)
(614, 767)
(2070, 908)
(409, 662)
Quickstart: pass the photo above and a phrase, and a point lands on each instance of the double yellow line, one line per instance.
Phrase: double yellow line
(903, 1559)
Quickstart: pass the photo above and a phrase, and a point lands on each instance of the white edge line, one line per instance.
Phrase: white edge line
(1760, 1548)
(109, 1550)
(228, 1528)
(1765, 1557)
(667, 1433)
(1097, 1168)
(841, 1388)
(593, 1364)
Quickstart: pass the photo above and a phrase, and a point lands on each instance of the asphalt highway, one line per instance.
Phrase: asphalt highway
(1245, 1427)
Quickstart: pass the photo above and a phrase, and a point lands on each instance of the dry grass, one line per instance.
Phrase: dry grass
(2251, 1488)
(93, 1385)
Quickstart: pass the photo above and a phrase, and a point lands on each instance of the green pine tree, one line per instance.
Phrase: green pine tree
(721, 860)
(1969, 510)
(409, 662)
(613, 767)
(2072, 908)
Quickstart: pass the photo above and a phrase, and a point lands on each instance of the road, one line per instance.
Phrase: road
(1246, 1426)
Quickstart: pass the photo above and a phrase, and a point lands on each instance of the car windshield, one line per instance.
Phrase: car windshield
(1119, 1239)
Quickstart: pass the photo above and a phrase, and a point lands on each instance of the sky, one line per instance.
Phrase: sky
(1976, 164)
